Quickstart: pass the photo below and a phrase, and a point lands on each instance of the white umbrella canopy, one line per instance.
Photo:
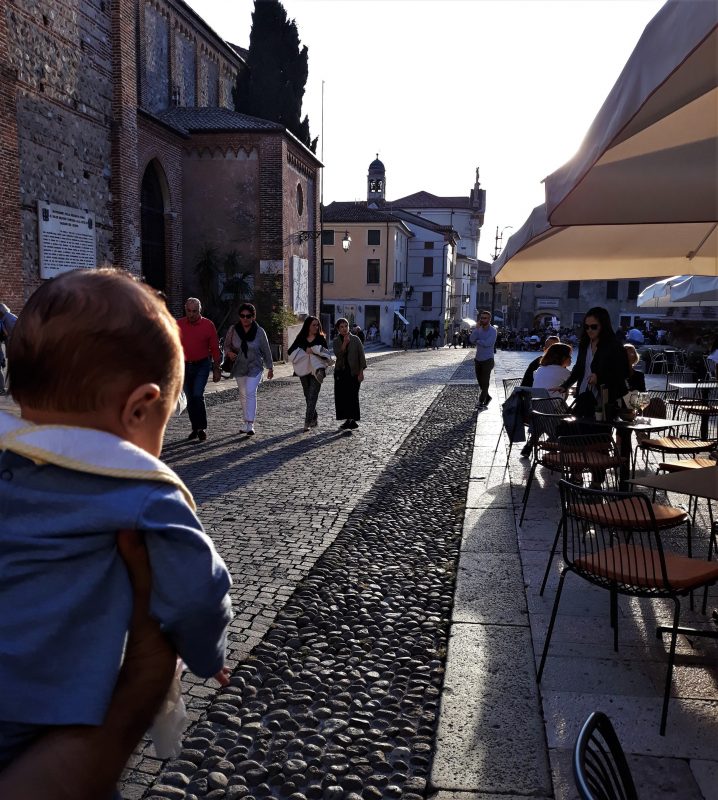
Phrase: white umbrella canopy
(540, 252)
(680, 290)
(640, 199)
(651, 154)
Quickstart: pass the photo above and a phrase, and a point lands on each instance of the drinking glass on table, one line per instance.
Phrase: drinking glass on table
(643, 401)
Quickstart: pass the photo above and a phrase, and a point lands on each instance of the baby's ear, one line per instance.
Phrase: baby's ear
(139, 403)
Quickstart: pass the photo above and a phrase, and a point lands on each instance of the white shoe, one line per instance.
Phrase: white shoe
(249, 429)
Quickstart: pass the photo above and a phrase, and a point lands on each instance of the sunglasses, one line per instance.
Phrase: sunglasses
(591, 327)
(245, 316)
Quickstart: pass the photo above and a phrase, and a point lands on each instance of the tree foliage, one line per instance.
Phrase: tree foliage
(273, 86)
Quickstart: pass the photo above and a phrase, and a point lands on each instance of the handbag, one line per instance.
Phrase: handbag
(585, 405)
(227, 363)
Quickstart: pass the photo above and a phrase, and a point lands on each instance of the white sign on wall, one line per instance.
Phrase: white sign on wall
(300, 285)
(67, 239)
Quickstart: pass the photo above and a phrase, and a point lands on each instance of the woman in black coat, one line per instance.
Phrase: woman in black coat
(601, 359)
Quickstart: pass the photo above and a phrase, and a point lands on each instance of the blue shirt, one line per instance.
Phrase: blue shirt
(485, 340)
(65, 596)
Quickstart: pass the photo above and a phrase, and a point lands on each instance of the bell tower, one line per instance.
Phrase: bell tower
(376, 183)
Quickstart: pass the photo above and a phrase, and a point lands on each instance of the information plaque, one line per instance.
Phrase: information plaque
(67, 239)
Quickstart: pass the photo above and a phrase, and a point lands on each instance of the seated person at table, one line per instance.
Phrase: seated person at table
(528, 378)
(636, 379)
(96, 368)
(553, 370)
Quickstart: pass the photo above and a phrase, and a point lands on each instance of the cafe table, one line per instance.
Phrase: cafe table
(626, 428)
(701, 482)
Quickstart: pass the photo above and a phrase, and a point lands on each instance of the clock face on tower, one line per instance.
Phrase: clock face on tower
(375, 185)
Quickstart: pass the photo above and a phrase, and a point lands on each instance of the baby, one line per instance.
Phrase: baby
(96, 367)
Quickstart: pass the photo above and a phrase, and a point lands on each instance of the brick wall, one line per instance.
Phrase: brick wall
(62, 112)
(12, 293)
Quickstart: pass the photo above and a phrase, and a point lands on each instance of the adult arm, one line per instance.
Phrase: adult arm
(84, 762)
(266, 352)
(528, 378)
(577, 371)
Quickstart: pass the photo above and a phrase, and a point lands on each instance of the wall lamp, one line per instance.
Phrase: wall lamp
(346, 242)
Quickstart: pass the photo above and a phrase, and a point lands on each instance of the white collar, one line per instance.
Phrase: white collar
(85, 450)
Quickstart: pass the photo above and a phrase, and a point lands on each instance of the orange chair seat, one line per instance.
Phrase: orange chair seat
(630, 565)
(674, 444)
(624, 514)
(589, 459)
(686, 463)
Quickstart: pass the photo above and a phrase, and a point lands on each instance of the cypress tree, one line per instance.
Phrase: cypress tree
(273, 86)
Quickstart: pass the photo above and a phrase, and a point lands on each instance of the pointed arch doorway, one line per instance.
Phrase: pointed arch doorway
(152, 226)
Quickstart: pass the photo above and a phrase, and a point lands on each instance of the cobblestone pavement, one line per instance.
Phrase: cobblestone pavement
(273, 504)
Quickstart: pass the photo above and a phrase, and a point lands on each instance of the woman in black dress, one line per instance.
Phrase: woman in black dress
(348, 375)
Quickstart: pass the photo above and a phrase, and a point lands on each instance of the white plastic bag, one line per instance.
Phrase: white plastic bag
(181, 403)
(169, 724)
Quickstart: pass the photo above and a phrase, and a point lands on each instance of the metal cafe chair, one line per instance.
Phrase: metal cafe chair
(509, 385)
(600, 768)
(544, 440)
(588, 458)
(612, 540)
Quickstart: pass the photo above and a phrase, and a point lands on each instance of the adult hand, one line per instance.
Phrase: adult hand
(216, 373)
(360, 375)
(270, 374)
(83, 762)
(592, 379)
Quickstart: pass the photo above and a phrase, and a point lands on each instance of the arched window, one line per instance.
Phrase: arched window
(152, 221)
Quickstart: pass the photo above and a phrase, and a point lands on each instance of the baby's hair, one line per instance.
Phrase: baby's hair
(556, 355)
(87, 338)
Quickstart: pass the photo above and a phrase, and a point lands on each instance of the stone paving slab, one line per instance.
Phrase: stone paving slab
(488, 531)
(489, 723)
(490, 589)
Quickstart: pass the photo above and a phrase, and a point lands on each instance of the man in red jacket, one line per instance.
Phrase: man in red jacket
(201, 353)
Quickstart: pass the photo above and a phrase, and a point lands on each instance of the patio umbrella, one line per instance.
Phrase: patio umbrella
(541, 252)
(680, 290)
(640, 198)
(651, 154)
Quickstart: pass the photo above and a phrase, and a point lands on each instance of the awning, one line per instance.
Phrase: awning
(402, 317)
(470, 322)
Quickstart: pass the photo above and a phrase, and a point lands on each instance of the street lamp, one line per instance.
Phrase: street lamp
(497, 251)
(346, 242)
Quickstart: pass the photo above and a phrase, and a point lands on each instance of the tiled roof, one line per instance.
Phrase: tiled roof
(422, 222)
(242, 52)
(428, 200)
(194, 120)
(355, 212)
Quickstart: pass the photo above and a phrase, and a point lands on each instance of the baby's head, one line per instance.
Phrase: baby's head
(97, 348)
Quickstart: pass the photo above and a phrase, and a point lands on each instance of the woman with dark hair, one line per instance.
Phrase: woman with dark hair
(310, 358)
(247, 346)
(601, 359)
(348, 375)
(553, 369)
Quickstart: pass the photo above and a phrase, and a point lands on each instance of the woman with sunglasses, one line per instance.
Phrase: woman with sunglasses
(601, 359)
(246, 345)
(310, 358)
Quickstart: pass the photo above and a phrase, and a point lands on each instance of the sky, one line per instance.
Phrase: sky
(440, 87)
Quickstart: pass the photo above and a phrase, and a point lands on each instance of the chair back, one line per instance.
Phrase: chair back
(600, 768)
(550, 405)
(590, 458)
(680, 376)
(510, 384)
(611, 539)
(545, 426)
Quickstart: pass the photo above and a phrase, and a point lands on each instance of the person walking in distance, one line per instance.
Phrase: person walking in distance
(201, 355)
(484, 337)
(247, 346)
